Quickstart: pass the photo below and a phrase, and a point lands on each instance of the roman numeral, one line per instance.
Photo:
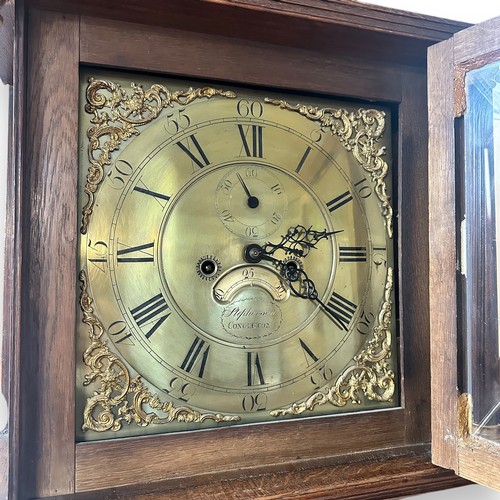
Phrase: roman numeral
(254, 369)
(340, 310)
(346, 197)
(141, 255)
(197, 156)
(151, 311)
(303, 159)
(307, 352)
(161, 198)
(339, 201)
(352, 254)
(255, 133)
(197, 354)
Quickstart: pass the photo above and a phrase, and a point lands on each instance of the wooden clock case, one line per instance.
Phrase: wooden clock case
(338, 48)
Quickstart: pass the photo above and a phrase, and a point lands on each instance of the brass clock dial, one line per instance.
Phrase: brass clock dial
(236, 257)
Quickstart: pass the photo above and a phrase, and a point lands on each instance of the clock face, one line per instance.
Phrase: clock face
(236, 258)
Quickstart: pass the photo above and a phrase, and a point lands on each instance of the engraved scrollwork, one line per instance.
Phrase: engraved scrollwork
(359, 132)
(116, 116)
(121, 399)
(370, 374)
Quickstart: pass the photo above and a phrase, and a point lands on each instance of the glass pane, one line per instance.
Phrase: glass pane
(482, 213)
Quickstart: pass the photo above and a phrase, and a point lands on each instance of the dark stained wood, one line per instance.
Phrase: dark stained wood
(478, 42)
(325, 26)
(390, 474)
(341, 48)
(442, 249)
(413, 225)
(4, 464)
(126, 45)
(13, 260)
(232, 449)
(49, 220)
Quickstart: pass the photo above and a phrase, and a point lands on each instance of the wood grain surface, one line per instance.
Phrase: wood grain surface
(328, 47)
(413, 226)
(480, 464)
(390, 474)
(443, 257)
(47, 365)
(324, 26)
(12, 295)
(232, 449)
(127, 45)
(481, 41)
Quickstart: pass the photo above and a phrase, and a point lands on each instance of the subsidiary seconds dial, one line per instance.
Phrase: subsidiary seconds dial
(251, 201)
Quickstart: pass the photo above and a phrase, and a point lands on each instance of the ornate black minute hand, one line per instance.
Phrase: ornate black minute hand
(298, 241)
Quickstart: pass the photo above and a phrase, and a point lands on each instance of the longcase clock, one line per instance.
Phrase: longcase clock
(222, 211)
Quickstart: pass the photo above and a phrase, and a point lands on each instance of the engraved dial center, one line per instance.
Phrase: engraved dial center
(213, 257)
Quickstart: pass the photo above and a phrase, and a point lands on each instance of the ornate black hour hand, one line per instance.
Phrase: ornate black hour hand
(298, 241)
(300, 284)
(252, 201)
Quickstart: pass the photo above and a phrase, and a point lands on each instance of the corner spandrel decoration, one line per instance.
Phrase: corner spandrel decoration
(120, 398)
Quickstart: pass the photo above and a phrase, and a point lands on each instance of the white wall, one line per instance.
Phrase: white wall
(460, 10)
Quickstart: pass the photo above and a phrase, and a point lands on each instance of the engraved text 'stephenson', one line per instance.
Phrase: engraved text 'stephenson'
(181, 328)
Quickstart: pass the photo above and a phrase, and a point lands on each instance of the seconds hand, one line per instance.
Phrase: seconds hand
(252, 201)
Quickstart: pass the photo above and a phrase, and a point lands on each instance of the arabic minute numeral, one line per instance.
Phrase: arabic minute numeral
(177, 121)
(180, 389)
(120, 333)
(255, 402)
(98, 254)
(119, 173)
(321, 377)
(379, 257)
(365, 320)
(246, 108)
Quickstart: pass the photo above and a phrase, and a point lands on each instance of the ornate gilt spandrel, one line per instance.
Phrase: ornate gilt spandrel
(112, 396)
(119, 398)
(359, 132)
(371, 375)
(117, 116)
